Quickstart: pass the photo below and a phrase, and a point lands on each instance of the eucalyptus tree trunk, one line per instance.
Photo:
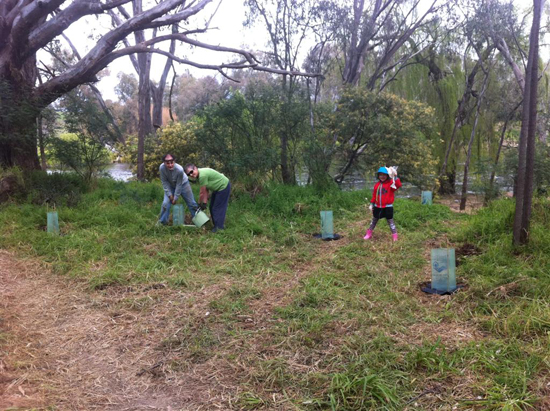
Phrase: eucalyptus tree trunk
(464, 195)
(18, 117)
(524, 191)
(287, 171)
(170, 96)
(41, 145)
(145, 125)
(360, 39)
(461, 111)
(157, 92)
(497, 156)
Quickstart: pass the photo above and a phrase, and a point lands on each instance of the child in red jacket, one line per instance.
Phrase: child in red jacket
(382, 200)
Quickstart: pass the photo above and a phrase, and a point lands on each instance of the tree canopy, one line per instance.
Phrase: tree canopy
(28, 26)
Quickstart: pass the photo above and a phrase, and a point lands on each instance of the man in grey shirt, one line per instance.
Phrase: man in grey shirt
(175, 184)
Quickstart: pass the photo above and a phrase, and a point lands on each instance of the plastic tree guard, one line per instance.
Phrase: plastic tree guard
(427, 197)
(178, 215)
(53, 222)
(443, 270)
(327, 227)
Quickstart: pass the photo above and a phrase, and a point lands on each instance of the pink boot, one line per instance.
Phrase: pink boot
(368, 235)
(394, 237)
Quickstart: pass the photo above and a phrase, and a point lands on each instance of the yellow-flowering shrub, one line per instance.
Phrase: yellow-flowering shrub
(178, 139)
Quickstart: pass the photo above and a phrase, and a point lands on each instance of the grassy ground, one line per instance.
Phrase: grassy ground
(314, 325)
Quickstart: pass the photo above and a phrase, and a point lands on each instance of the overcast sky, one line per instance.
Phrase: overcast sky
(226, 29)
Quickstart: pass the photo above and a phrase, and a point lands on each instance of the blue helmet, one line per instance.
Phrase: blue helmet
(383, 170)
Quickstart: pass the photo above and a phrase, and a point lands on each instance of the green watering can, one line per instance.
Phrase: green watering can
(200, 219)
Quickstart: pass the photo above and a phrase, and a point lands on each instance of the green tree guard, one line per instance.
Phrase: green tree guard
(178, 215)
(427, 197)
(53, 222)
(327, 228)
(443, 269)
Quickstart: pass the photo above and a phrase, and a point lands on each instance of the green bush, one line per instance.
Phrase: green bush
(81, 154)
(178, 139)
(55, 189)
(374, 129)
(12, 183)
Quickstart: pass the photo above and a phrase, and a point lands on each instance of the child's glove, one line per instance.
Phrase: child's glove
(370, 206)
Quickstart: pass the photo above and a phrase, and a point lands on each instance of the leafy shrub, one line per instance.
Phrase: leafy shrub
(54, 189)
(12, 183)
(178, 139)
(83, 155)
(375, 129)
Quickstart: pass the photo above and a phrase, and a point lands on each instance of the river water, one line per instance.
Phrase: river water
(355, 182)
(123, 172)
(119, 171)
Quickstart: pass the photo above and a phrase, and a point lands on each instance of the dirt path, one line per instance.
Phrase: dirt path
(65, 347)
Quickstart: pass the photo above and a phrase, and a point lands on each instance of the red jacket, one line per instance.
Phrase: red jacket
(383, 194)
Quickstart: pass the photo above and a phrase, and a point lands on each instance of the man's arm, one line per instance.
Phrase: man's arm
(203, 195)
(165, 184)
(179, 183)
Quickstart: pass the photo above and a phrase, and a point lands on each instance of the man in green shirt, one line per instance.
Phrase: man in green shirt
(219, 187)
